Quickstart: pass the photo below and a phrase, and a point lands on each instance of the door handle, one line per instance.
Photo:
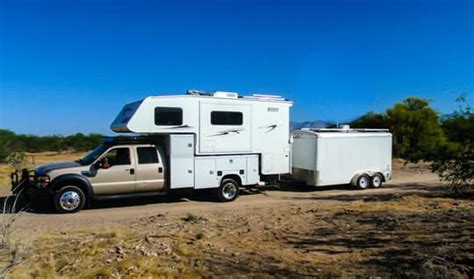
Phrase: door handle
(132, 171)
(160, 169)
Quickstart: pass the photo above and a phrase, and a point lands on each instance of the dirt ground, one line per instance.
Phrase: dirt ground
(410, 228)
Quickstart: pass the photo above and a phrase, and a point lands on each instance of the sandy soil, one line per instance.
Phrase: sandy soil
(408, 228)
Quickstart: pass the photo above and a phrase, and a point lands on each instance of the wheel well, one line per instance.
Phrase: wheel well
(234, 177)
(73, 182)
(356, 177)
(381, 175)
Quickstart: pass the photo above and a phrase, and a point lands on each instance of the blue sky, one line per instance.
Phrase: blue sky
(69, 66)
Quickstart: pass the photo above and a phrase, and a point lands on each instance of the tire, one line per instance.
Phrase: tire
(227, 191)
(69, 199)
(376, 181)
(363, 182)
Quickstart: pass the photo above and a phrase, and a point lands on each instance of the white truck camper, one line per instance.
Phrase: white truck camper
(211, 137)
(360, 157)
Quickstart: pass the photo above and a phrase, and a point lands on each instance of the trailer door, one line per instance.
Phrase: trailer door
(225, 128)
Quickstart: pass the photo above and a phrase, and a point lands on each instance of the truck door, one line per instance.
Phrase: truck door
(118, 176)
(150, 170)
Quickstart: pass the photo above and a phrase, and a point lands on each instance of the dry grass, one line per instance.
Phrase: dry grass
(404, 236)
(34, 160)
(112, 253)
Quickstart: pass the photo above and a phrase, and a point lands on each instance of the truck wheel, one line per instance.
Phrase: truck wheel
(69, 199)
(376, 181)
(363, 182)
(228, 191)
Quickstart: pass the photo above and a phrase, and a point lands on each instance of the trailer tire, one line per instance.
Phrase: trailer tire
(69, 199)
(363, 182)
(227, 191)
(376, 180)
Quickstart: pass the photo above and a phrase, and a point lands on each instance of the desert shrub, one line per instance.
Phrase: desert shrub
(17, 160)
(199, 235)
(12, 143)
(454, 161)
(191, 217)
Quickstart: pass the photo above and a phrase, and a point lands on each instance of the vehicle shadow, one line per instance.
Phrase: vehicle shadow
(403, 190)
(13, 204)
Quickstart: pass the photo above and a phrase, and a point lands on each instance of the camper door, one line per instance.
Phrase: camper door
(225, 128)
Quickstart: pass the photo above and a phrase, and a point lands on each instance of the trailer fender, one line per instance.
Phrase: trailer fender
(356, 176)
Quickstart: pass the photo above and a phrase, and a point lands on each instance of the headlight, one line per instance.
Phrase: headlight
(43, 180)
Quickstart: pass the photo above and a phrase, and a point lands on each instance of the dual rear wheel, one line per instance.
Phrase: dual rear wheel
(227, 191)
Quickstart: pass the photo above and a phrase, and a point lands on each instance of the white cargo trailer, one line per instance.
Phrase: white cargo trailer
(360, 157)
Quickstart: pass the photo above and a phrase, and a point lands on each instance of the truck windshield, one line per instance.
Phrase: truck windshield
(93, 155)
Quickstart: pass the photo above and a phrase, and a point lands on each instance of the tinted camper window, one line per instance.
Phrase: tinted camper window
(231, 118)
(165, 116)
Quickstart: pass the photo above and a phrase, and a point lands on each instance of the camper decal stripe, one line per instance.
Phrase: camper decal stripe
(180, 127)
(227, 132)
(269, 127)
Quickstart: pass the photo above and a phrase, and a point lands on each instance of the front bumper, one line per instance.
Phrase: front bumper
(27, 182)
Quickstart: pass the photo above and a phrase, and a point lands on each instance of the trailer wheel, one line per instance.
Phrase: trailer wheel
(363, 182)
(376, 180)
(69, 199)
(227, 191)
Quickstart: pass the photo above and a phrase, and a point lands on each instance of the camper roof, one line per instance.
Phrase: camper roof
(226, 95)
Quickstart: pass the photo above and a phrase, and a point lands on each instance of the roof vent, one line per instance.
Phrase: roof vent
(225, 94)
(195, 92)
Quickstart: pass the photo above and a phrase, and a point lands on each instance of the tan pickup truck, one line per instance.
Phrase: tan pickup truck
(119, 168)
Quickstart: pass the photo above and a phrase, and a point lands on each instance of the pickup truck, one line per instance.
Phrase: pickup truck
(128, 167)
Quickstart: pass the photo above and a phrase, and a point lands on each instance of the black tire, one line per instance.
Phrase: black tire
(69, 199)
(363, 182)
(376, 181)
(227, 191)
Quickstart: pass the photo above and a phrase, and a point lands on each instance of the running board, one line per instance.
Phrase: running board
(128, 195)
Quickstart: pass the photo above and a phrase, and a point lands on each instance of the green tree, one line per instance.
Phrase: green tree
(417, 133)
(454, 161)
(370, 120)
(7, 138)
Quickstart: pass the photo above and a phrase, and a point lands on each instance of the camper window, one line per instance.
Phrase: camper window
(165, 116)
(230, 118)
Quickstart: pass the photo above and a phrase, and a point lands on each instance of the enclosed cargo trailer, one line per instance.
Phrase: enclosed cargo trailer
(360, 157)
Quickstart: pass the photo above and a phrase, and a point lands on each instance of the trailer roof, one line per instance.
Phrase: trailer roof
(338, 132)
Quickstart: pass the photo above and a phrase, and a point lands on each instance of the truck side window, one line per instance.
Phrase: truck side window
(147, 155)
(166, 116)
(118, 156)
(230, 118)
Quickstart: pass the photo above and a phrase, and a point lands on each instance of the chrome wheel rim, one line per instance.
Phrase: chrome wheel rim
(363, 182)
(69, 200)
(229, 191)
(376, 181)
